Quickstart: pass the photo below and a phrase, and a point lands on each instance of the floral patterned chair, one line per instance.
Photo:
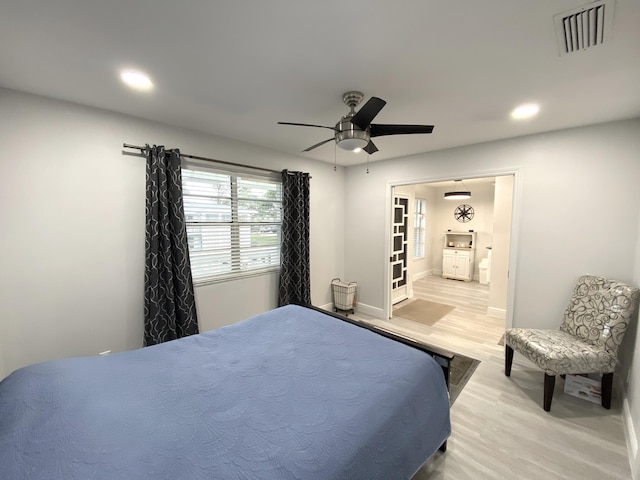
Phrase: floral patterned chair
(588, 339)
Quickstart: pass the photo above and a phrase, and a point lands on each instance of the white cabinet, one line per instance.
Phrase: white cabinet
(458, 255)
(457, 263)
(449, 261)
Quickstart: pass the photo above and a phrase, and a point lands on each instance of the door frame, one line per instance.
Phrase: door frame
(516, 210)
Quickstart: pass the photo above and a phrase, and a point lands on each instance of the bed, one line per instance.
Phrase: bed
(294, 393)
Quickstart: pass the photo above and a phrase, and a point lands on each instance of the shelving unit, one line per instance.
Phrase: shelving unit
(458, 255)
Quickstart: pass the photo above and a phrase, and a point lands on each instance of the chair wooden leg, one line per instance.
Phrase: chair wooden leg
(549, 385)
(508, 360)
(606, 388)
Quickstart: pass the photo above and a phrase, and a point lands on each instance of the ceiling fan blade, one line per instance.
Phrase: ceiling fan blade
(368, 112)
(370, 148)
(318, 144)
(378, 130)
(306, 125)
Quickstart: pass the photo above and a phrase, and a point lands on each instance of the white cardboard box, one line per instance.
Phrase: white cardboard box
(584, 387)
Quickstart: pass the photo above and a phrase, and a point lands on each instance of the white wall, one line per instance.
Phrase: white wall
(576, 211)
(503, 209)
(560, 235)
(631, 380)
(72, 216)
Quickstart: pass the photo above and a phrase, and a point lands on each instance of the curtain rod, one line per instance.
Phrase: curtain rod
(127, 145)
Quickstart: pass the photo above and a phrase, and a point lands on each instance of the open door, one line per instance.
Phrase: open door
(399, 248)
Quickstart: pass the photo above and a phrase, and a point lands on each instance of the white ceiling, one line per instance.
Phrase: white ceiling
(236, 68)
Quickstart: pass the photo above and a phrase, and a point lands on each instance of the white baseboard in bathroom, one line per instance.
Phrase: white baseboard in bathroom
(419, 276)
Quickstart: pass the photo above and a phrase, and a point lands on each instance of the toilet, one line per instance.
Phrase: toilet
(485, 268)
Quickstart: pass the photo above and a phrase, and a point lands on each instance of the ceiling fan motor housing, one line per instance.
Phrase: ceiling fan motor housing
(352, 99)
(349, 136)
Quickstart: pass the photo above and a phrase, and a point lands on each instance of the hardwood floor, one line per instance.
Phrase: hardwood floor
(499, 429)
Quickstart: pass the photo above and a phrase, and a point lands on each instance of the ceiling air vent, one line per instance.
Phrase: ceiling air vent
(584, 27)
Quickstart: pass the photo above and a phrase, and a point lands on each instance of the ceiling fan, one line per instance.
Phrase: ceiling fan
(355, 130)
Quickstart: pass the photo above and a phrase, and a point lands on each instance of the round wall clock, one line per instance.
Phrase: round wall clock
(463, 213)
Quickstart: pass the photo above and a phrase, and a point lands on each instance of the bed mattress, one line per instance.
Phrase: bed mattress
(288, 394)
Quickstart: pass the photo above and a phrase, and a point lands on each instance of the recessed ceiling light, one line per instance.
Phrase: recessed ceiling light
(527, 110)
(136, 80)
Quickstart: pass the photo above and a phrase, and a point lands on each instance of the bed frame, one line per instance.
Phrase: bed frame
(440, 355)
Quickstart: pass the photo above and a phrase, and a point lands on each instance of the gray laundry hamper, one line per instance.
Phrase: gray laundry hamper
(344, 295)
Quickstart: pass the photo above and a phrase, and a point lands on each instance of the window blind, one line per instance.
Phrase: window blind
(233, 224)
(419, 228)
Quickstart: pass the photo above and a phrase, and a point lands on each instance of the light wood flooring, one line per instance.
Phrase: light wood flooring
(499, 429)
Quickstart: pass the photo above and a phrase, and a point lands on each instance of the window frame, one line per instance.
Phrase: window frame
(236, 270)
(419, 226)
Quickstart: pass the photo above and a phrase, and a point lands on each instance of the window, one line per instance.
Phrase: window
(233, 223)
(419, 228)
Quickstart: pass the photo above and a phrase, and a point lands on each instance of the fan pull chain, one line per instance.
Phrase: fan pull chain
(368, 156)
(335, 153)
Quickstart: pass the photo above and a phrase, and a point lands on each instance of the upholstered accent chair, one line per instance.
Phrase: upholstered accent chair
(588, 339)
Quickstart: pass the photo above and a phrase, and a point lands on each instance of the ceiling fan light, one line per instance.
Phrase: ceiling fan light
(350, 137)
(462, 195)
(352, 143)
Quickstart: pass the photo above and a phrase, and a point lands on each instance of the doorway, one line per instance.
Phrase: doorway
(491, 202)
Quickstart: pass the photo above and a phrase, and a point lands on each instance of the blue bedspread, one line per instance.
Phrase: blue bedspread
(288, 394)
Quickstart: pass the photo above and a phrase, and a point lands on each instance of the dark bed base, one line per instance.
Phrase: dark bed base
(441, 356)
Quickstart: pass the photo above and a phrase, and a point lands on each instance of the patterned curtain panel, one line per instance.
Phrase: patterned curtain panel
(169, 303)
(295, 277)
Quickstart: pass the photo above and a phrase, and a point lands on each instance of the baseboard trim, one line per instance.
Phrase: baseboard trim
(630, 434)
(369, 310)
(496, 312)
(360, 308)
(419, 276)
